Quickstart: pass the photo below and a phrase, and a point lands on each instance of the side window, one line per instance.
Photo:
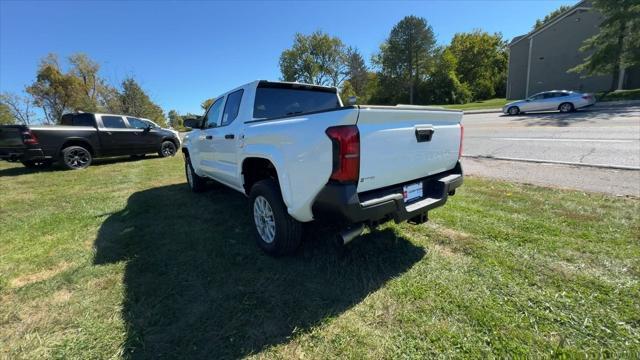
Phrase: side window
(211, 119)
(114, 122)
(549, 95)
(137, 123)
(232, 107)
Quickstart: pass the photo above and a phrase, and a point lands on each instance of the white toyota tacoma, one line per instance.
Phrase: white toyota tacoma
(300, 155)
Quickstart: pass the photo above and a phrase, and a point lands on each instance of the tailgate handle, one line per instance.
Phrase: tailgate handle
(424, 134)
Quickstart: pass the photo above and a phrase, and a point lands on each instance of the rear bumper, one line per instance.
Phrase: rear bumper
(341, 202)
(13, 155)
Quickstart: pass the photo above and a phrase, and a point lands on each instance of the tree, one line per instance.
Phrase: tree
(346, 91)
(16, 107)
(357, 73)
(175, 120)
(617, 45)
(136, 102)
(109, 99)
(315, 59)
(443, 86)
(481, 62)
(405, 57)
(552, 15)
(6, 118)
(54, 91)
(205, 104)
(89, 84)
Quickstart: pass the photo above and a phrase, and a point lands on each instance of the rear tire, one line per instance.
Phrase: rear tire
(76, 157)
(566, 107)
(514, 110)
(196, 183)
(276, 232)
(167, 149)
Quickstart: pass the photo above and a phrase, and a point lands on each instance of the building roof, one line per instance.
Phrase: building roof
(581, 5)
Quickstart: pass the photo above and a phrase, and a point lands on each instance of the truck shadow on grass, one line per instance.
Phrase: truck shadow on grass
(197, 286)
(21, 170)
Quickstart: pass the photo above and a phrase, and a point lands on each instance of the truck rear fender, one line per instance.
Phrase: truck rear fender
(301, 152)
(77, 141)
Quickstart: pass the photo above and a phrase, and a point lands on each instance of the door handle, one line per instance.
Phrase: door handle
(209, 137)
(230, 136)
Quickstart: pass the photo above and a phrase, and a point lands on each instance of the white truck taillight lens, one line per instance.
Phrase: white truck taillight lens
(461, 139)
(28, 138)
(346, 153)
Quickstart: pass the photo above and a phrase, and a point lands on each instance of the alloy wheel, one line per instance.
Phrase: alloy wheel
(264, 219)
(77, 158)
(168, 149)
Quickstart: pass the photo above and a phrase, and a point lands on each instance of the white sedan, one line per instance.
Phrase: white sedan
(562, 100)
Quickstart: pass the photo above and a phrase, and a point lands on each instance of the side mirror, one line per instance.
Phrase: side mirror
(147, 128)
(193, 123)
(352, 100)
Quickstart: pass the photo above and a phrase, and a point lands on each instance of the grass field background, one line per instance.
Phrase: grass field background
(121, 261)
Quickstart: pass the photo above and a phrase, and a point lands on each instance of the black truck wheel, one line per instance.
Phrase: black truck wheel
(196, 183)
(167, 148)
(277, 233)
(76, 157)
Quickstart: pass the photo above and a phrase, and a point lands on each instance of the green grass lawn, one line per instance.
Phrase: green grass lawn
(479, 105)
(633, 94)
(121, 260)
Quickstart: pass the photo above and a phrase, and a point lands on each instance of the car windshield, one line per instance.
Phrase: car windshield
(274, 101)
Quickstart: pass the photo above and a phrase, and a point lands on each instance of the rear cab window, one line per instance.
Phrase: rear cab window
(113, 122)
(274, 100)
(231, 107)
(78, 120)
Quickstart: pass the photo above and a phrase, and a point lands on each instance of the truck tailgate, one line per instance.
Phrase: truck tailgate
(403, 143)
(11, 136)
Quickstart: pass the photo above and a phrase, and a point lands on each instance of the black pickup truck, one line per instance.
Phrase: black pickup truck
(80, 137)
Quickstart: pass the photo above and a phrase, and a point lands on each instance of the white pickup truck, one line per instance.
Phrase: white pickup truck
(300, 155)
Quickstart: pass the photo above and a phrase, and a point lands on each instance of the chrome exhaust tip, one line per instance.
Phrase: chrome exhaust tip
(350, 233)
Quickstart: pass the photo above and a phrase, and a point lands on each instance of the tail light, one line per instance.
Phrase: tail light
(586, 97)
(29, 138)
(346, 153)
(461, 138)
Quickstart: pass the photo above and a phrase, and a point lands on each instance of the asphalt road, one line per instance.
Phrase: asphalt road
(594, 137)
(605, 138)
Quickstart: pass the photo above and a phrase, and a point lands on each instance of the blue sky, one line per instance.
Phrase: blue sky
(185, 52)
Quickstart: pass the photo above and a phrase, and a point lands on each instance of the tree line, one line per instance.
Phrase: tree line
(408, 68)
(411, 68)
(57, 91)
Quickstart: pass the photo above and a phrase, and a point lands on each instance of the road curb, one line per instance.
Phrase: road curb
(487, 111)
(600, 166)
